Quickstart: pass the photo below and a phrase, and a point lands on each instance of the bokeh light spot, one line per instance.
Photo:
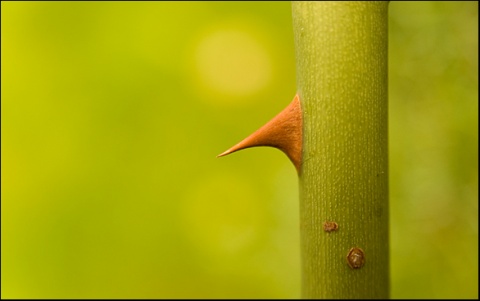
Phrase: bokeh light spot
(232, 62)
(222, 215)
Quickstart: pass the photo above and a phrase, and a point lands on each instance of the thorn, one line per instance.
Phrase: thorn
(228, 151)
(284, 132)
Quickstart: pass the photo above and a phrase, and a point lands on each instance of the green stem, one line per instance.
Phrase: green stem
(341, 55)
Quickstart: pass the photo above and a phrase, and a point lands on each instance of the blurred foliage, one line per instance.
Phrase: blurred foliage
(113, 113)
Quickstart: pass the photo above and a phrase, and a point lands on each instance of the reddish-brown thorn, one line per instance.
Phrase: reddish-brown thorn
(284, 132)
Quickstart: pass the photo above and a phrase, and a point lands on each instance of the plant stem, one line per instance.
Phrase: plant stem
(341, 56)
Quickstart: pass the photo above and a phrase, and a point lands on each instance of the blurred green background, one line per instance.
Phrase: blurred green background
(113, 113)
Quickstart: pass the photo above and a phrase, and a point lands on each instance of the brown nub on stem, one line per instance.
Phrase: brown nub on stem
(356, 258)
(284, 132)
(330, 226)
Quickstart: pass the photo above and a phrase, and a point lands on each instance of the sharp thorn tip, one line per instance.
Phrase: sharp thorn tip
(224, 153)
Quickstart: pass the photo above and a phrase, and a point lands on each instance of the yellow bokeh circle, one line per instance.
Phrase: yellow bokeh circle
(232, 62)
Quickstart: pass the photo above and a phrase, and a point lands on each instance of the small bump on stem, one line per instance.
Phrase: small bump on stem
(330, 226)
(356, 258)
